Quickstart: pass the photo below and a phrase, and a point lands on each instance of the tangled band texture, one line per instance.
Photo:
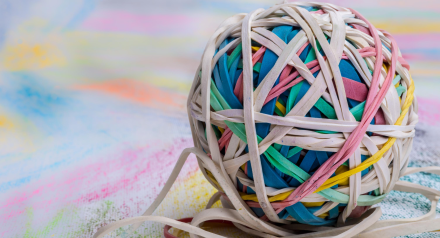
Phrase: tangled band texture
(303, 117)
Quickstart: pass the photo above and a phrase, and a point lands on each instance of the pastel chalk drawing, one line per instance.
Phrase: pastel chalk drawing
(82, 99)
(138, 92)
(6, 122)
(303, 117)
(25, 56)
(129, 22)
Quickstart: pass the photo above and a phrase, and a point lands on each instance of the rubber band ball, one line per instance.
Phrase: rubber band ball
(308, 111)
(303, 117)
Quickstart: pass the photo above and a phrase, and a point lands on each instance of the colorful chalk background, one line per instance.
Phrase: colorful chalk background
(92, 107)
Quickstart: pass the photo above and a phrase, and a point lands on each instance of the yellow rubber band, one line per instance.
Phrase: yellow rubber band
(213, 179)
(376, 157)
(342, 178)
(279, 197)
(221, 130)
(281, 107)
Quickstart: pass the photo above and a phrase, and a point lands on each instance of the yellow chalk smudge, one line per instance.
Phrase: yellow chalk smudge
(6, 122)
(27, 56)
(408, 26)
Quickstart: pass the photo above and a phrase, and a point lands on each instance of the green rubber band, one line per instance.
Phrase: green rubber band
(277, 146)
(282, 102)
(287, 167)
(234, 128)
(326, 109)
(363, 200)
(397, 79)
(312, 55)
(327, 132)
(235, 53)
(218, 134)
(278, 112)
(279, 166)
(215, 103)
(294, 151)
(400, 90)
(239, 130)
(256, 67)
(218, 95)
(376, 191)
(358, 110)
(292, 96)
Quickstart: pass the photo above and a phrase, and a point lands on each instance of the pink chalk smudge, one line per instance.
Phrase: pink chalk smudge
(429, 111)
(127, 172)
(417, 41)
(121, 21)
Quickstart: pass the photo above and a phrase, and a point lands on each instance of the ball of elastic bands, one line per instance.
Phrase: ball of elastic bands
(303, 117)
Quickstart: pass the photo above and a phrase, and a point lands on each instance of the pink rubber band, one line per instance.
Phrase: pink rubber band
(328, 168)
(238, 90)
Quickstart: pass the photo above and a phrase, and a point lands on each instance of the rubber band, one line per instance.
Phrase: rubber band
(341, 178)
(374, 158)
(290, 124)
